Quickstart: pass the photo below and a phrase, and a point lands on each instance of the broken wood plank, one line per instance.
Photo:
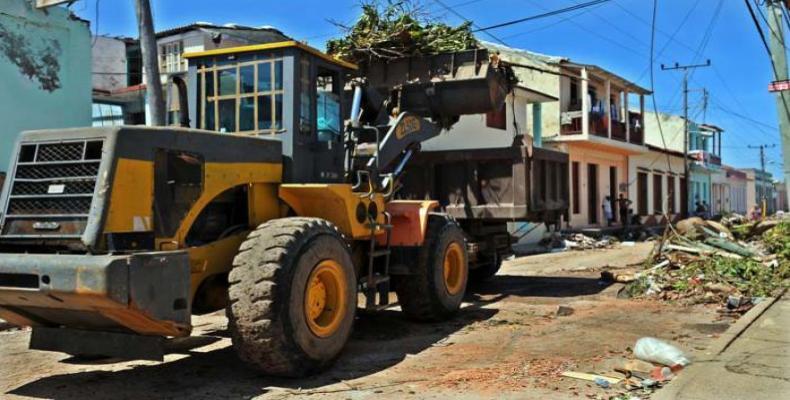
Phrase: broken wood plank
(590, 377)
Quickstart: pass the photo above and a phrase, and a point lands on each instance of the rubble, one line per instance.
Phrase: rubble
(701, 261)
(580, 241)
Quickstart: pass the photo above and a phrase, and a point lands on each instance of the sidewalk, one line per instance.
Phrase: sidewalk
(750, 361)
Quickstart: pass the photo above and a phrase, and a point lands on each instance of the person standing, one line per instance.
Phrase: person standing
(607, 210)
(623, 204)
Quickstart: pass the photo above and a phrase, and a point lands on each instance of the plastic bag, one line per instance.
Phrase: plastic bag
(655, 350)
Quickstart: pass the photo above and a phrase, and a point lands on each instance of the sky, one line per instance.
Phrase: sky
(614, 35)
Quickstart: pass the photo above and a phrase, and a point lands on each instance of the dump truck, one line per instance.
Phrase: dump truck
(279, 198)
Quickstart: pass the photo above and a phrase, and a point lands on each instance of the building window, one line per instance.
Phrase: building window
(641, 193)
(658, 193)
(671, 193)
(107, 114)
(245, 97)
(575, 189)
(170, 60)
(497, 119)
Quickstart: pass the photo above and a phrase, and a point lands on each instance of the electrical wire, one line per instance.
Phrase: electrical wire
(768, 50)
(96, 19)
(457, 14)
(543, 15)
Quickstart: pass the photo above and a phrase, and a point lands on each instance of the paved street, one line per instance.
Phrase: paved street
(752, 360)
(506, 343)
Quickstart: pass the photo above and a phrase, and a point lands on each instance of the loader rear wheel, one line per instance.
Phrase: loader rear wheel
(292, 297)
(435, 292)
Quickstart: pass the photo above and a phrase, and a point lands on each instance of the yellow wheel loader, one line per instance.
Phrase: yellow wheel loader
(276, 198)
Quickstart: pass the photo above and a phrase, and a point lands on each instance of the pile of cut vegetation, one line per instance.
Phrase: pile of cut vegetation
(389, 30)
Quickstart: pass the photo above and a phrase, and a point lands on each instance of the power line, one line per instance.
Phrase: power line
(457, 14)
(544, 15)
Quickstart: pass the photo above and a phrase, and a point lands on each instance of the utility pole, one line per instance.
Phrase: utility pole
(779, 60)
(148, 48)
(763, 197)
(685, 69)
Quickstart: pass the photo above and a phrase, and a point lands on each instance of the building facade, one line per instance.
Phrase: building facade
(597, 120)
(760, 190)
(737, 182)
(45, 69)
(656, 184)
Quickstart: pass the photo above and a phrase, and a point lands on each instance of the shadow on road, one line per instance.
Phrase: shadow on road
(541, 286)
(380, 340)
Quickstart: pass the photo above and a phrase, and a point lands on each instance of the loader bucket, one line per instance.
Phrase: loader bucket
(140, 294)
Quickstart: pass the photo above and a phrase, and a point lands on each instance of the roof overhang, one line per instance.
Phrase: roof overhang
(598, 71)
(533, 96)
(600, 143)
(271, 46)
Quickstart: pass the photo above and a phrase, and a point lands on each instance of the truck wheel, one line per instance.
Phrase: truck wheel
(436, 290)
(292, 297)
(486, 271)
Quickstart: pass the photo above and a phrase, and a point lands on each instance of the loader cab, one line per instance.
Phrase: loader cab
(285, 90)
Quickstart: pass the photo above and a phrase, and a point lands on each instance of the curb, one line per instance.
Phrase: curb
(674, 389)
(741, 325)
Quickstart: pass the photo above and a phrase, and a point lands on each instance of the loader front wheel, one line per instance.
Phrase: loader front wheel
(436, 290)
(292, 297)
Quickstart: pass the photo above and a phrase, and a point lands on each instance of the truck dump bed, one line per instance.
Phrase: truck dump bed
(502, 184)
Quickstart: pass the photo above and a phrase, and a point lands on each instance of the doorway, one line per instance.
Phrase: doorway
(613, 191)
(592, 193)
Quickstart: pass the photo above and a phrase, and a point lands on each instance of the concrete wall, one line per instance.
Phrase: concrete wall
(671, 125)
(45, 68)
(109, 63)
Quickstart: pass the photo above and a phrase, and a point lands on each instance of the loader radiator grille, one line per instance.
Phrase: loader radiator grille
(51, 190)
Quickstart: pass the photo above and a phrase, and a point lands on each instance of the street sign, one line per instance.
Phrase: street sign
(50, 3)
(779, 86)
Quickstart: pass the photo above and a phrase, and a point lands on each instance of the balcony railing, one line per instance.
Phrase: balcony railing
(572, 125)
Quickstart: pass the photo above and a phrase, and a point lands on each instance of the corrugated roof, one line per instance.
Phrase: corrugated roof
(263, 34)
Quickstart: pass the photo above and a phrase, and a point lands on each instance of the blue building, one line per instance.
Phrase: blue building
(706, 170)
(45, 70)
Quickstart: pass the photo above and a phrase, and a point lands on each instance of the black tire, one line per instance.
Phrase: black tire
(424, 296)
(267, 314)
(486, 271)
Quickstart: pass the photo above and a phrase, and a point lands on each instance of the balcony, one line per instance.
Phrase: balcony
(597, 126)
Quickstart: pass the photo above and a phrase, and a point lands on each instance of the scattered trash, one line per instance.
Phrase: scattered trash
(638, 366)
(591, 377)
(649, 383)
(628, 244)
(564, 311)
(661, 374)
(658, 351)
(602, 382)
(580, 241)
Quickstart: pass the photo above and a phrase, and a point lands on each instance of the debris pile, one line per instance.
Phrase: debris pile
(655, 363)
(395, 30)
(580, 241)
(701, 261)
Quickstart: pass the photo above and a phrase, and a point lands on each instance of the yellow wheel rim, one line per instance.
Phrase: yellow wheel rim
(325, 298)
(454, 268)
